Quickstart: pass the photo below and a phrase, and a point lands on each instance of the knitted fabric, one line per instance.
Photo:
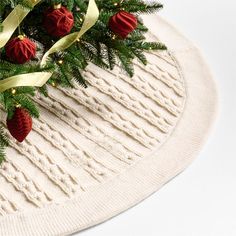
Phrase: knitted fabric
(96, 152)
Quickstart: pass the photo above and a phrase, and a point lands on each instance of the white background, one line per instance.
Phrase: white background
(202, 200)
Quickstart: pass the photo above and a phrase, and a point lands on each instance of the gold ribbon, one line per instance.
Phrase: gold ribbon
(38, 79)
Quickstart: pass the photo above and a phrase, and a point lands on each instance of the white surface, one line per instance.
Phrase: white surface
(206, 192)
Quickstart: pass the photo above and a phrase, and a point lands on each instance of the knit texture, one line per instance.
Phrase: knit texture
(96, 152)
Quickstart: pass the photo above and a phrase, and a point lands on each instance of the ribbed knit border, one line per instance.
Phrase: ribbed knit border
(148, 175)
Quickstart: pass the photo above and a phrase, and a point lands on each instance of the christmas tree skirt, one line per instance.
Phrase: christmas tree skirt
(96, 152)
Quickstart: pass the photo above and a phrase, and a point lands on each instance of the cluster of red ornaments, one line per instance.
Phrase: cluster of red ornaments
(58, 22)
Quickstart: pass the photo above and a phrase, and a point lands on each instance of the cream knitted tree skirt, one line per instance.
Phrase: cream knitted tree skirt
(96, 152)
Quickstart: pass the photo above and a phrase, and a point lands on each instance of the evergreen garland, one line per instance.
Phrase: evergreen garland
(99, 46)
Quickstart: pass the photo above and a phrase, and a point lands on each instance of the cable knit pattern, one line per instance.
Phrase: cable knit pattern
(86, 137)
(87, 161)
(96, 152)
(7, 206)
(114, 115)
(108, 125)
(24, 184)
(86, 128)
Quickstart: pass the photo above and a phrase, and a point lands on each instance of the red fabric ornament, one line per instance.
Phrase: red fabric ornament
(20, 124)
(58, 22)
(123, 23)
(20, 49)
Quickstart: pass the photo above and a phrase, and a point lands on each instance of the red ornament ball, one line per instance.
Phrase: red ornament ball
(123, 23)
(20, 49)
(58, 22)
(20, 124)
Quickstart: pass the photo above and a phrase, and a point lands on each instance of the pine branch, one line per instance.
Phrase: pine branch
(141, 7)
(3, 144)
(43, 90)
(111, 58)
(126, 64)
(134, 6)
(22, 97)
(27, 103)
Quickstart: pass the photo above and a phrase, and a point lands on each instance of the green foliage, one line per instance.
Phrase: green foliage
(3, 144)
(8, 69)
(134, 6)
(22, 97)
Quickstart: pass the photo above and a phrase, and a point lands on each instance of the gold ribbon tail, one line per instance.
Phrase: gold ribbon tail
(37, 79)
